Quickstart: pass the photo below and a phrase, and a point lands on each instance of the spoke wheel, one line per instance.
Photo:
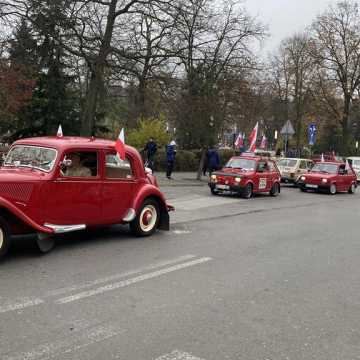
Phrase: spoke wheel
(147, 220)
(4, 237)
(332, 189)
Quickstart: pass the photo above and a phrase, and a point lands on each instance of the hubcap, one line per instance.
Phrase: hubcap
(333, 189)
(1, 238)
(148, 218)
(353, 188)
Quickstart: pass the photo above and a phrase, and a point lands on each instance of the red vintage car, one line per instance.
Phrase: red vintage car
(52, 185)
(246, 175)
(329, 176)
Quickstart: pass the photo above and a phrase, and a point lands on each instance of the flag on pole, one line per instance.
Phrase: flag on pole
(253, 138)
(120, 145)
(239, 142)
(347, 166)
(322, 158)
(263, 144)
(59, 132)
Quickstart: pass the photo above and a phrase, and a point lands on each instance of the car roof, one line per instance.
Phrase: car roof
(294, 159)
(252, 157)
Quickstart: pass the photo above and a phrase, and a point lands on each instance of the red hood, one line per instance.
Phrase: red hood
(12, 174)
(319, 175)
(232, 171)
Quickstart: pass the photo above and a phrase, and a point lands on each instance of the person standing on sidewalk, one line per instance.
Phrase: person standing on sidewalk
(150, 150)
(213, 160)
(170, 158)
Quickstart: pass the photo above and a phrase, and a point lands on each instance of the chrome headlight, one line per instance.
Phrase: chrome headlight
(237, 179)
(303, 178)
(324, 181)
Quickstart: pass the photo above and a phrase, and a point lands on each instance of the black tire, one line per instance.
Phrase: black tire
(302, 188)
(275, 190)
(44, 243)
(247, 192)
(214, 192)
(5, 237)
(332, 189)
(138, 226)
(352, 188)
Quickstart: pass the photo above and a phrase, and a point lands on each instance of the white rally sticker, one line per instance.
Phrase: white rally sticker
(262, 183)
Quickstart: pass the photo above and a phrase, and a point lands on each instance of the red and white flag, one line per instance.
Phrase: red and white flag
(322, 158)
(239, 142)
(253, 138)
(59, 132)
(263, 144)
(120, 145)
(347, 166)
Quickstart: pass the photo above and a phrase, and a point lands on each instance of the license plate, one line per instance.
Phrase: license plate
(223, 187)
(310, 186)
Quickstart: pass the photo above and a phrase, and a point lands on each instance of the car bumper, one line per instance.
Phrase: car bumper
(288, 180)
(228, 188)
(314, 187)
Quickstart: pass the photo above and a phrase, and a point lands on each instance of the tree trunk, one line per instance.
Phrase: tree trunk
(201, 164)
(345, 125)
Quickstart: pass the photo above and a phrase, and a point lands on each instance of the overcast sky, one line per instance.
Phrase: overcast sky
(284, 17)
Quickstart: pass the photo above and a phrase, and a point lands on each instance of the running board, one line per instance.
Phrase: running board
(60, 229)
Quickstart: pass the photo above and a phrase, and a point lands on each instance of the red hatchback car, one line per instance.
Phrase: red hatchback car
(246, 175)
(52, 185)
(329, 176)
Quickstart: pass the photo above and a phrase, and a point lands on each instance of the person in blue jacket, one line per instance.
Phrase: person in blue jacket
(213, 160)
(170, 158)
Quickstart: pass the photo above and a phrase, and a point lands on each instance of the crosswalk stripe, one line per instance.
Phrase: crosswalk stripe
(131, 281)
(178, 355)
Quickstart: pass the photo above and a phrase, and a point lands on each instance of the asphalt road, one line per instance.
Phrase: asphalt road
(265, 278)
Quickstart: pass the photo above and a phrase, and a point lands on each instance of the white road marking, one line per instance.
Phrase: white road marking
(103, 280)
(181, 232)
(203, 202)
(65, 346)
(137, 279)
(20, 304)
(178, 355)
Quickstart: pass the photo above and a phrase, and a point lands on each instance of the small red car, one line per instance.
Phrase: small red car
(329, 176)
(246, 175)
(52, 185)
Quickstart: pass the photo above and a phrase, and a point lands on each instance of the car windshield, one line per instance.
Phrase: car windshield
(31, 156)
(245, 164)
(287, 162)
(325, 168)
(356, 163)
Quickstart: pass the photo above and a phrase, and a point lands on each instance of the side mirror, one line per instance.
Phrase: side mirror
(148, 171)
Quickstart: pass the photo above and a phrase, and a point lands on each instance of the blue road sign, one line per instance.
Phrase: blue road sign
(312, 134)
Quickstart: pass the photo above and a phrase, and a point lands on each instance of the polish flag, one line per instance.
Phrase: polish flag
(59, 132)
(322, 158)
(253, 138)
(120, 145)
(239, 141)
(347, 166)
(263, 142)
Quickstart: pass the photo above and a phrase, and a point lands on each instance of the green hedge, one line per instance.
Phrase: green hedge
(188, 160)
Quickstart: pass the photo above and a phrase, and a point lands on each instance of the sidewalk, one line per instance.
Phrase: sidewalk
(180, 179)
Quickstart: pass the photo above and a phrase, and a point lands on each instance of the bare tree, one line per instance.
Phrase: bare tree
(335, 48)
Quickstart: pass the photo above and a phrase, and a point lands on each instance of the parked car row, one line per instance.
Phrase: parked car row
(249, 174)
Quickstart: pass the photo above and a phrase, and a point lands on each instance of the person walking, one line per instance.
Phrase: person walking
(150, 150)
(213, 160)
(170, 158)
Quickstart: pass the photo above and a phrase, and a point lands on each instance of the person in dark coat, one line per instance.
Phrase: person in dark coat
(150, 150)
(170, 158)
(213, 160)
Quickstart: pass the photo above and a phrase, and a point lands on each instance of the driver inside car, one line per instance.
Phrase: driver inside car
(76, 168)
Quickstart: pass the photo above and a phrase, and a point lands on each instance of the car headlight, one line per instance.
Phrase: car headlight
(237, 179)
(213, 178)
(303, 178)
(324, 181)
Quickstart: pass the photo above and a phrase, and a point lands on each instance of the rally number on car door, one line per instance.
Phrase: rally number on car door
(262, 183)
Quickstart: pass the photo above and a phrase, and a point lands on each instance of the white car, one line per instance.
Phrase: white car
(292, 168)
(354, 161)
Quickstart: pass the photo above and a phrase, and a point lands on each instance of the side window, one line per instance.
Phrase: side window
(81, 164)
(342, 170)
(262, 166)
(303, 165)
(310, 164)
(271, 166)
(115, 168)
